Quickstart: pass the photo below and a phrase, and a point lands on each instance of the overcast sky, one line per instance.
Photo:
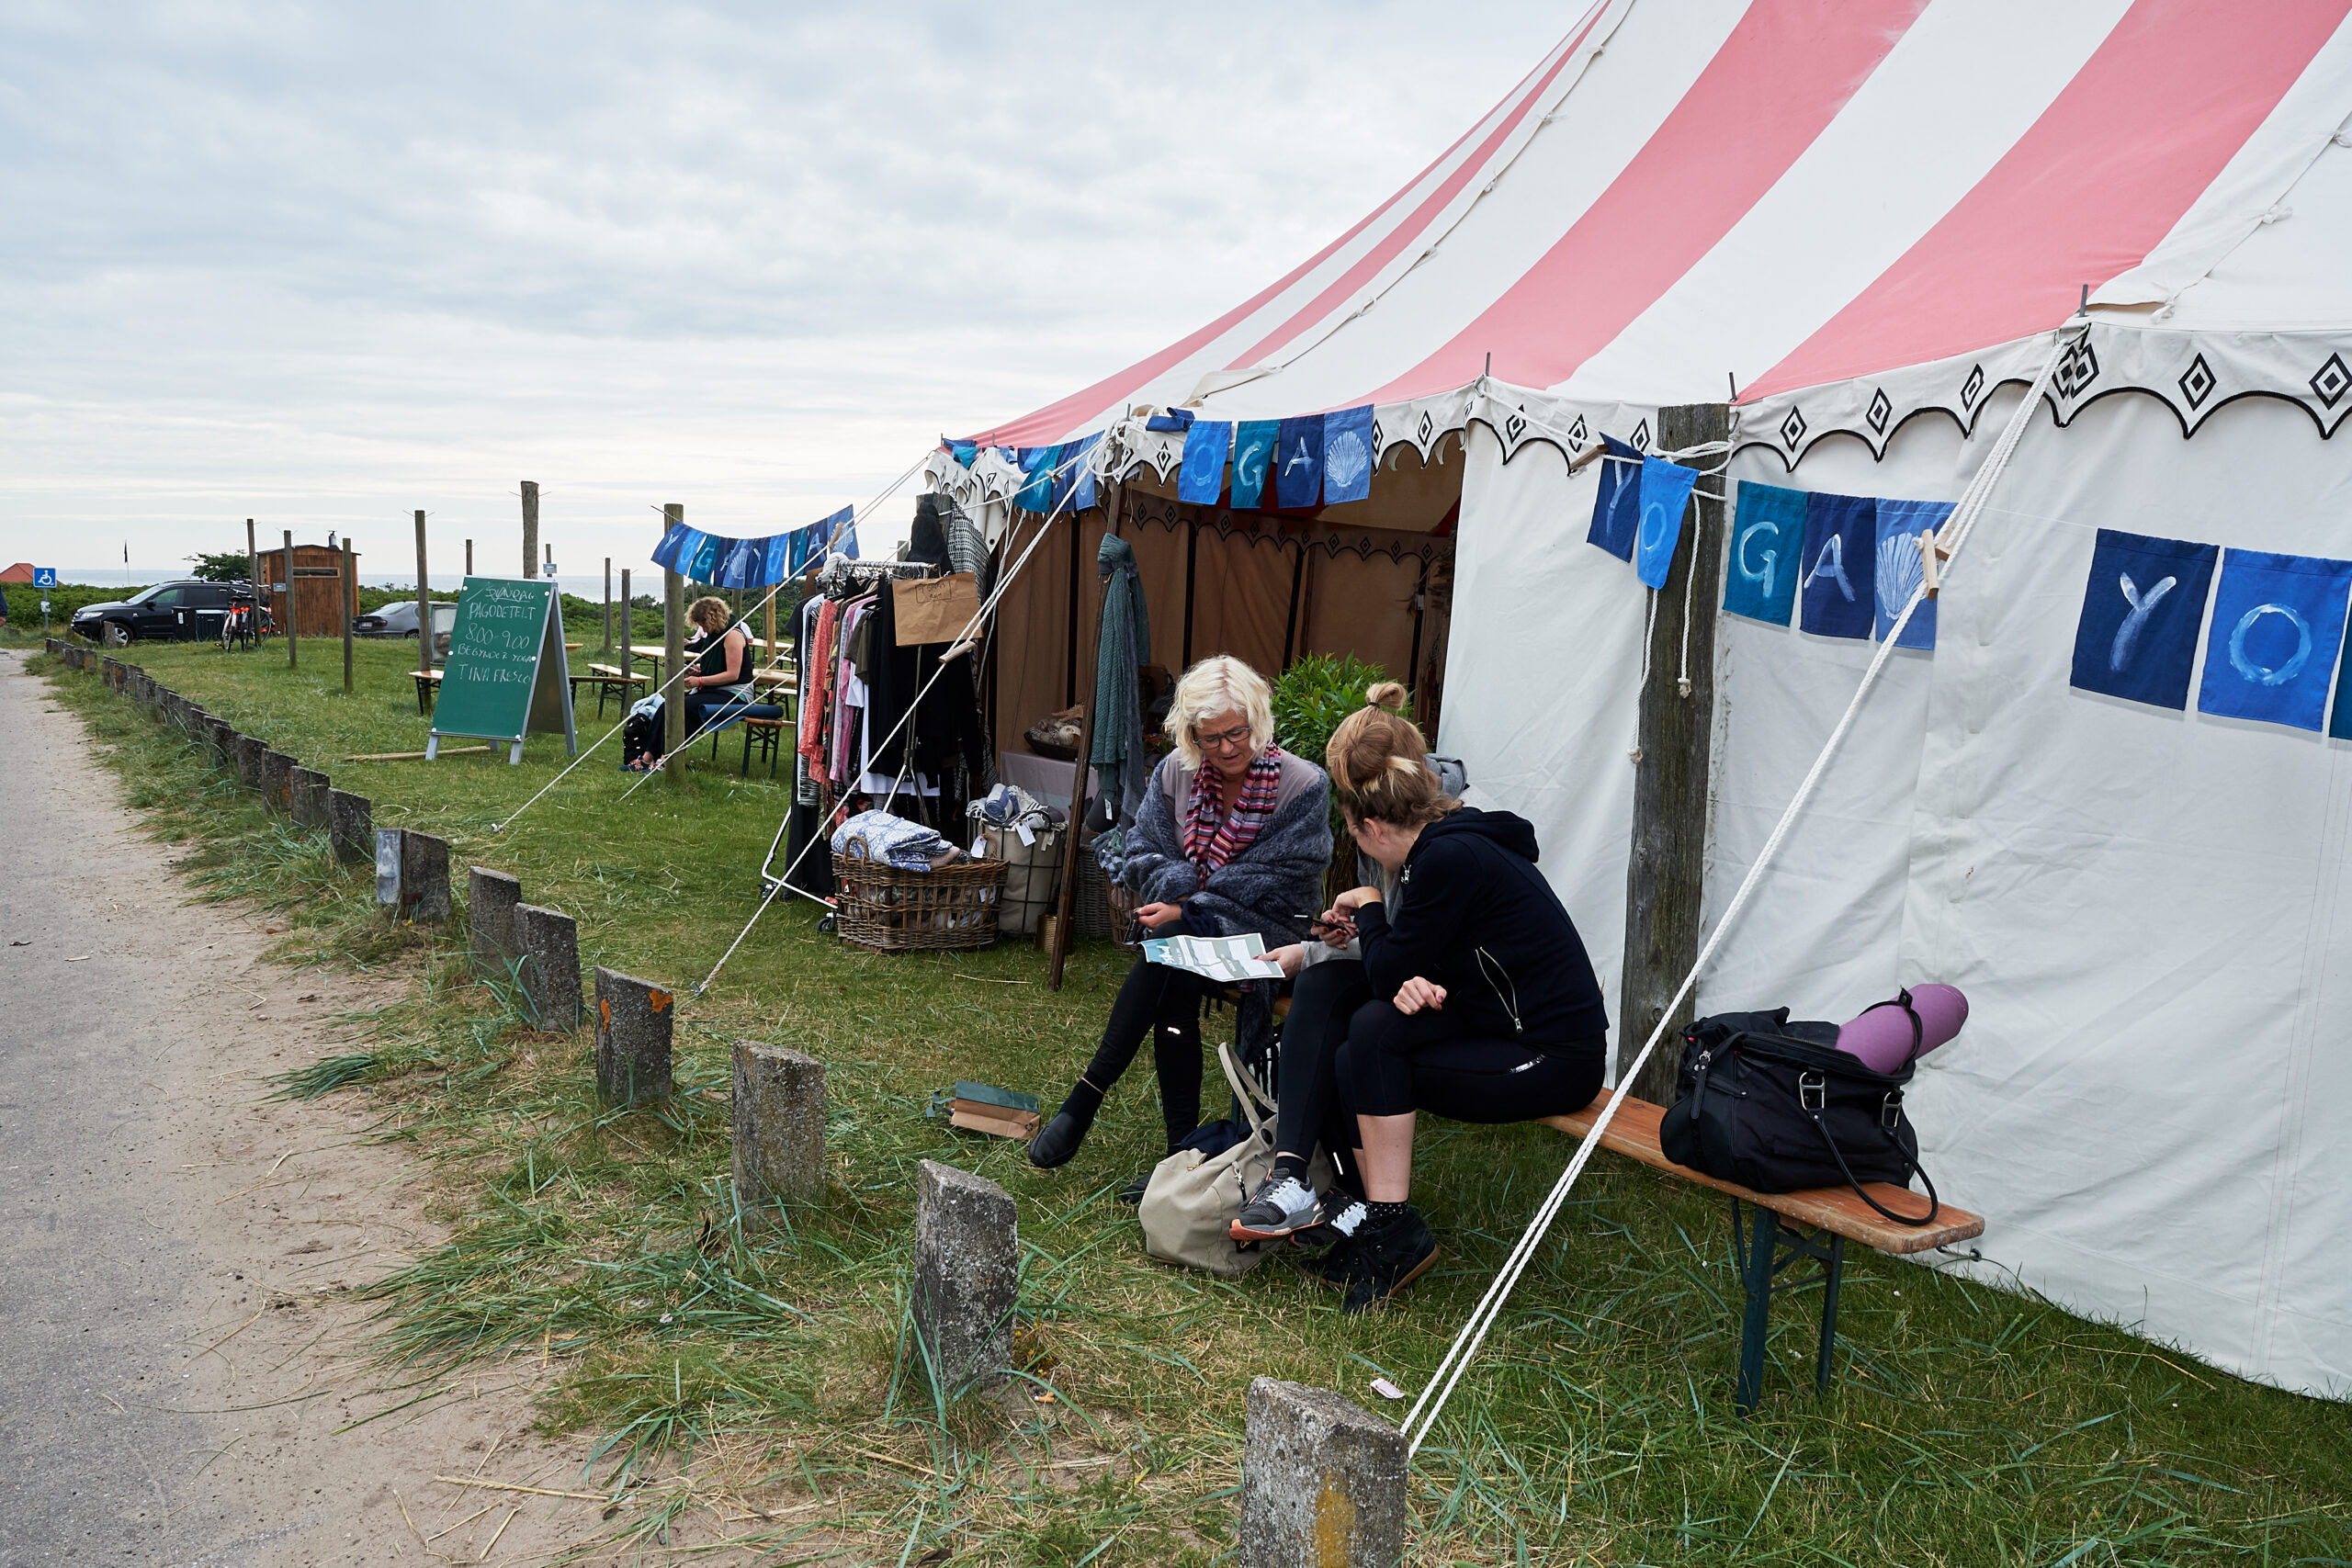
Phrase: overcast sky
(322, 264)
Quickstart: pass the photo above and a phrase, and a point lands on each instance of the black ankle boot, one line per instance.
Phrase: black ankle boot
(1059, 1138)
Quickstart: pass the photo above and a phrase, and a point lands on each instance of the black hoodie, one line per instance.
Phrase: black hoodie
(1476, 917)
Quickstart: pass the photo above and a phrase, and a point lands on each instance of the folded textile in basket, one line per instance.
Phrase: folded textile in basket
(878, 835)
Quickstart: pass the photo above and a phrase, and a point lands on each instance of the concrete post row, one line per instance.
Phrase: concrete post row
(779, 1126)
(1322, 1482)
(634, 1025)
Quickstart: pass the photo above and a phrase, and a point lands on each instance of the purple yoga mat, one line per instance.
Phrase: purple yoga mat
(1882, 1036)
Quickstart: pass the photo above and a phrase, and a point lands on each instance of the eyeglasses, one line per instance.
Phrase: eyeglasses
(1226, 740)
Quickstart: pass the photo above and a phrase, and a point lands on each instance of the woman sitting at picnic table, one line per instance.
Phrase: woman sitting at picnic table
(721, 672)
(1483, 1003)
(1231, 837)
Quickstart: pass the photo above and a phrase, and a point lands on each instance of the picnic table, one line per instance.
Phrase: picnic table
(605, 677)
(1815, 1223)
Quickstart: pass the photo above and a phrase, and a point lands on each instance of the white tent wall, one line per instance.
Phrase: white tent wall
(2150, 911)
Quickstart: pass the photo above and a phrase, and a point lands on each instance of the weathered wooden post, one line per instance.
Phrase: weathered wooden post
(967, 1273)
(674, 658)
(470, 557)
(551, 966)
(350, 606)
(779, 1126)
(1666, 876)
(635, 1019)
(1323, 1483)
(629, 638)
(608, 607)
(530, 528)
(252, 565)
(491, 897)
(293, 637)
(424, 605)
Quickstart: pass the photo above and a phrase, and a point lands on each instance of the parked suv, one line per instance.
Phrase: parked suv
(169, 611)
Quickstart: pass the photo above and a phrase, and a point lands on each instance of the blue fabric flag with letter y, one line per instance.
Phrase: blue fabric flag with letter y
(1617, 508)
(1836, 595)
(2137, 638)
(1202, 479)
(1253, 452)
(1664, 491)
(2277, 623)
(1900, 569)
(1767, 538)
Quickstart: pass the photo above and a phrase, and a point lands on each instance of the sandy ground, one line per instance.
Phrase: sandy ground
(181, 1372)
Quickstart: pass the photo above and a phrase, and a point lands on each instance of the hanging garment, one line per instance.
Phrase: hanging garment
(1121, 759)
(817, 681)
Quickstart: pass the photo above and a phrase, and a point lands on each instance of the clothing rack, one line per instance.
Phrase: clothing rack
(840, 571)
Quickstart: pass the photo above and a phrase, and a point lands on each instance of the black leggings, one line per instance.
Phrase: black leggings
(1322, 1000)
(1166, 1004)
(1396, 1062)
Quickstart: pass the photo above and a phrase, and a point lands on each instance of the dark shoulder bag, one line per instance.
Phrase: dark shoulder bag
(1776, 1107)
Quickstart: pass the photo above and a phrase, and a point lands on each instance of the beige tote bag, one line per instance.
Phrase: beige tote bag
(1189, 1205)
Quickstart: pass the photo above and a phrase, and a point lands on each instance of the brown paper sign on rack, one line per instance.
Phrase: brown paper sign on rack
(934, 609)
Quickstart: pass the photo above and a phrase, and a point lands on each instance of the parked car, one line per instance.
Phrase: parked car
(169, 611)
(399, 620)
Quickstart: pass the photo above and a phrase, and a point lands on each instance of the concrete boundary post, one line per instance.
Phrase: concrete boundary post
(491, 897)
(249, 755)
(551, 966)
(1322, 1482)
(351, 822)
(967, 1273)
(277, 781)
(425, 877)
(779, 1105)
(634, 1021)
(310, 789)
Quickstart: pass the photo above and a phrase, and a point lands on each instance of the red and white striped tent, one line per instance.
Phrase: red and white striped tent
(1859, 212)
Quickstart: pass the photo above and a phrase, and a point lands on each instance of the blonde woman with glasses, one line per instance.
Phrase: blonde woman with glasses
(1232, 837)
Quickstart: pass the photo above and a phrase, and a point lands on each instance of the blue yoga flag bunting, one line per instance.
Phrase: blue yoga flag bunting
(1253, 455)
(965, 453)
(1037, 493)
(703, 563)
(2277, 624)
(1617, 508)
(1767, 538)
(1202, 479)
(1078, 457)
(1836, 595)
(1298, 463)
(1900, 569)
(1665, 493)
(740, 563)
(673, 542)
(1348, 456)
(2142, 608)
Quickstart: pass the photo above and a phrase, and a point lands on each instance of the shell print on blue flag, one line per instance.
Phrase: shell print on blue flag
(740, 563)
(1617, 508)
(1836, 594)
(1202, 479)
(1767, 538)
(1348, 456)
(1298, 463)
(2142, 608)
(1253, 454)
(2277, 624)
(1900, 569)
(1664, 493)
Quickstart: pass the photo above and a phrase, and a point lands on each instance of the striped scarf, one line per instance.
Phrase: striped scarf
(1211, 839)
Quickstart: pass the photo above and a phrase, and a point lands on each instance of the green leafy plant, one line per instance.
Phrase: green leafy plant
(1312, 695)
(220, 566)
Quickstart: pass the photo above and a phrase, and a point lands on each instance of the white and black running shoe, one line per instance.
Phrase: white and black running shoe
(1282, 1206)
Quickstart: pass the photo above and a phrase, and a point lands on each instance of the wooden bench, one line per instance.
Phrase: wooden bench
(1816, 1222)
(604, 678)
(428, 685)
(767, 734)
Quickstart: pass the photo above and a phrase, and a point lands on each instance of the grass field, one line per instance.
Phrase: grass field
(740, 1376)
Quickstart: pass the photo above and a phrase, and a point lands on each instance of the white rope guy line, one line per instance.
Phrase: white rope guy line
(1950, 539)
(500, 826)
(981, 616)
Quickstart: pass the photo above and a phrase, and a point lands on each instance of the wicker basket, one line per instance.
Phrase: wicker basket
(892, 911)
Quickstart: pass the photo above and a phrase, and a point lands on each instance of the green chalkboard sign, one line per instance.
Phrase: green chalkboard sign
(507, 676)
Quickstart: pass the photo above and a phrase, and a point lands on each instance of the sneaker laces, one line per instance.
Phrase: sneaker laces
(1349, 1220)
(1287, 1193)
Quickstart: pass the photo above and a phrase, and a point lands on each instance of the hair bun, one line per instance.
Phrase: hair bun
(1389, 694)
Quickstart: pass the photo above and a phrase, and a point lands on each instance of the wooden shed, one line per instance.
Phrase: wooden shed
(318, 588)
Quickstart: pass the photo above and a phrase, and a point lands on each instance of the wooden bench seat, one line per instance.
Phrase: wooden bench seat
(1814, 1223)
(428, 686)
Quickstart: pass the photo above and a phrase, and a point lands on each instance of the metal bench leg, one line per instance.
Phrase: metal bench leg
(1830, 1274)
(747, 751)
(1757, 1280)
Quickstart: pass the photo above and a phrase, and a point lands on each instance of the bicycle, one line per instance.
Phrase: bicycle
(244, 625)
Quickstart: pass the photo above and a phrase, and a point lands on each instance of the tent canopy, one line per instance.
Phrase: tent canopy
(1788, 193)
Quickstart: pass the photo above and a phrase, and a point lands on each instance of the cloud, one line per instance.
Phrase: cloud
(322, 264)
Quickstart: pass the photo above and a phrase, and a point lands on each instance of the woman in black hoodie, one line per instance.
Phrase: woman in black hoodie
(1484, 1007)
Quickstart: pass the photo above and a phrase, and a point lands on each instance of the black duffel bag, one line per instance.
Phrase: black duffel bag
(1776, 1107)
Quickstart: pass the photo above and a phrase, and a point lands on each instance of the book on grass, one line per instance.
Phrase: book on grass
(1003, 1112)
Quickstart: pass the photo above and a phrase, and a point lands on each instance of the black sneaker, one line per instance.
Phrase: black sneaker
(1388, 1259)
(1132, 1194)
(1337, 1234)
(1283, 1205)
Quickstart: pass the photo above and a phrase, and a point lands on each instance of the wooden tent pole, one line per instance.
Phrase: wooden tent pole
(292, 639)
(424, 606)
